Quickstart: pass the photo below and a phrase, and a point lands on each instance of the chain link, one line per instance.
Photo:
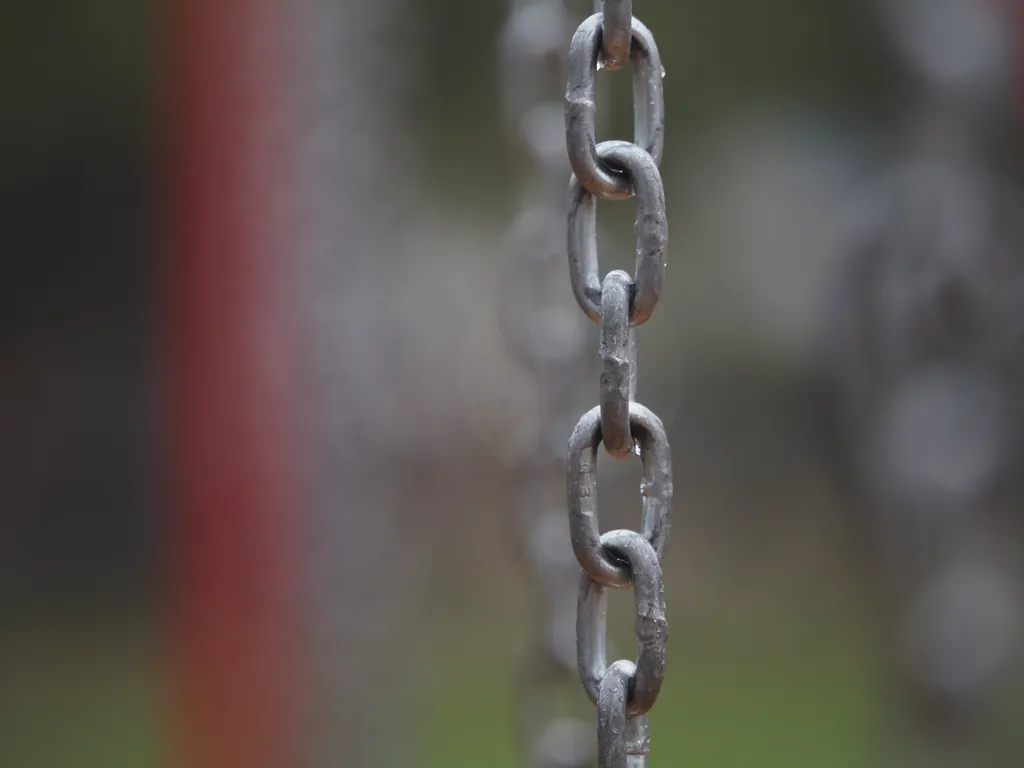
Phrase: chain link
(618, 364)
(639, 556)
(641, 173)
(655, 489)
(613, 170)
(581, 106)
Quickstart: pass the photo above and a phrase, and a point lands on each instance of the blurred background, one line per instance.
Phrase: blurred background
(263, 432)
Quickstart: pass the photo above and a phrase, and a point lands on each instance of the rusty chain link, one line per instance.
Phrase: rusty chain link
(624, 691)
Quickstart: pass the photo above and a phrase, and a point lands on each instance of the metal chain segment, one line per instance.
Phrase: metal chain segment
(644, 179)
(655, 488)
(581, 106)
(618, 364)
(613, 170)
(651, 626)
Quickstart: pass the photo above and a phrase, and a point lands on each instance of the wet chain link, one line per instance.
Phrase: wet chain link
(585, 57)
(618, 364)
(547, 336)
(623, 691)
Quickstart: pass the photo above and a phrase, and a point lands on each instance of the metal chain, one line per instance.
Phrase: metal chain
(613, 170)
(548, 338)
(551, 346)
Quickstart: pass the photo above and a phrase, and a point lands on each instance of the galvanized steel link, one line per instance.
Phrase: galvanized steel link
(641, 172)
(655, 488)
(581, 106)
(651, 628)
(618, 364)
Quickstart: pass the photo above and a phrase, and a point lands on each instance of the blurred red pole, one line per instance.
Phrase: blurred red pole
(236, 451)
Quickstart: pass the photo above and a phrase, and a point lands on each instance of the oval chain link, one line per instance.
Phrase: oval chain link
(651, 627)
(606, 182)
(624, 691)
(651, 234)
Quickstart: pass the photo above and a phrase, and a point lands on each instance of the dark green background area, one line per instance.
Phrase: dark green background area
(718, 57)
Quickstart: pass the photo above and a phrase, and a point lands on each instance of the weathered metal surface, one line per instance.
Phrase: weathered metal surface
(640, 170)
(614, 170)
(581, 106)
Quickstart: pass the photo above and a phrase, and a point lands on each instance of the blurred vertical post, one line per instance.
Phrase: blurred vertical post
(237, 454)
